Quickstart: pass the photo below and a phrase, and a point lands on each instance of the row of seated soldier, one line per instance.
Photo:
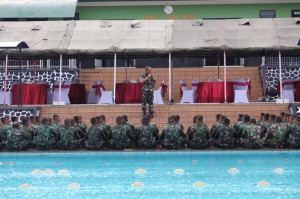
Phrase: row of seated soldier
(268, 131)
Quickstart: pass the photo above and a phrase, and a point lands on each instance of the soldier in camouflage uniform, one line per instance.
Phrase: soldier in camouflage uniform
(177, 123)
(28, 132)
(95, 136)
(224, 137)
(148, 81)
(237, 125)
(215, 125)
(265, 124)
(56, 125)
(276, 134)
(81, 130)
(46, 137)
(15, 139)
(67, 137)
(261, 118)
(272, 119)
(241, 130)
(293, 136)
(5, 128)
(198, 135)
(121, 136)
(252, 136)
(130, 125)
(147, 134)
(172, 136)
(102, 122)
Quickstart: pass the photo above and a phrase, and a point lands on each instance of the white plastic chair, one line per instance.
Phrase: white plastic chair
(240, 92)
(288, 90)
(157, 98)
(106, 96)
(65, 88)
(188, 96)
(94, 95)
(8, 97)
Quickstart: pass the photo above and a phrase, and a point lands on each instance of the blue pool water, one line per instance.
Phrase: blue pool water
(111, 175)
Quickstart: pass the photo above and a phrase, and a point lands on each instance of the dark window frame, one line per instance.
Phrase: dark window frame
(260, 13)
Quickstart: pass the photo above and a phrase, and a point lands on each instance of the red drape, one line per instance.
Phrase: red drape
(31, 94)
(129, 93)
(77, 94)
(213, 92)
(297, 92)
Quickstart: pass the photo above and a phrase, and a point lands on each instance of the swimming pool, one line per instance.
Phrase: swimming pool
(188, 174)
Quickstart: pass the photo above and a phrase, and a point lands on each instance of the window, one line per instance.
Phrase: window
(267, 14)
(296, 13)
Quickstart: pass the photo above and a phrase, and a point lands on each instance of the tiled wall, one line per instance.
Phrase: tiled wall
(162, 112)
(88, 76)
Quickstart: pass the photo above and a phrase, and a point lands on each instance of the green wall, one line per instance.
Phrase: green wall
(185, 11)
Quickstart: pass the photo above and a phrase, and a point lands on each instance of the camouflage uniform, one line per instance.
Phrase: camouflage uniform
(198, 136)
(148, 94)
(147, 136)
(236, 127)
(265, 125)
(57, 128)
(293, 138)
(252, 138)
(28, 134)
(172, 137)
(121, 136)
(4, 132)
(214, 128)
(276, 135)
(16, 141)
(107, 127)
(132, 128)
(80, 132)
(225, 137)
(95, 137)
(67, 139)
(46, 137)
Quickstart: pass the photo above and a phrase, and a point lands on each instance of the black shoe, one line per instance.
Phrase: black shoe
(152, 115)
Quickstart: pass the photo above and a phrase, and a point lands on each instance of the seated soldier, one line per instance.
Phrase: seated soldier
(15, 139)
(121, 136)
(215, 125)
(95, 136)
(225, 136)
(261, 118)
(241, 134)
(198, 135)
(102, 122)
(147, 134)
(172, 136)
(4, 129)
(237, 125)
(130, 125)
(293, 136)
(67, 137)
(28, 132)
(252, 135)
(265, 124)
(46, 137)
(275, 136)
(81, 131)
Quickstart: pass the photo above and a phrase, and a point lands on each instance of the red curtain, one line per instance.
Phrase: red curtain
(31, 94)
(77, 94)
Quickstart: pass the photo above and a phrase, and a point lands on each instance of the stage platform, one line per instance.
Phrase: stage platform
(162, 112)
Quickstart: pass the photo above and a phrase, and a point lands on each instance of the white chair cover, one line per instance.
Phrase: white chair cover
(93, 96)
(195, 83)
(106, 97)
(64, 92)
(240, 92)
(213, 80)
(288, 84)
(188, 96)
(157, 98)
(8, 97)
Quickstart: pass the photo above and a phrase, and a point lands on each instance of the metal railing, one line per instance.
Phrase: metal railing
(39, 64)
(285, 61)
